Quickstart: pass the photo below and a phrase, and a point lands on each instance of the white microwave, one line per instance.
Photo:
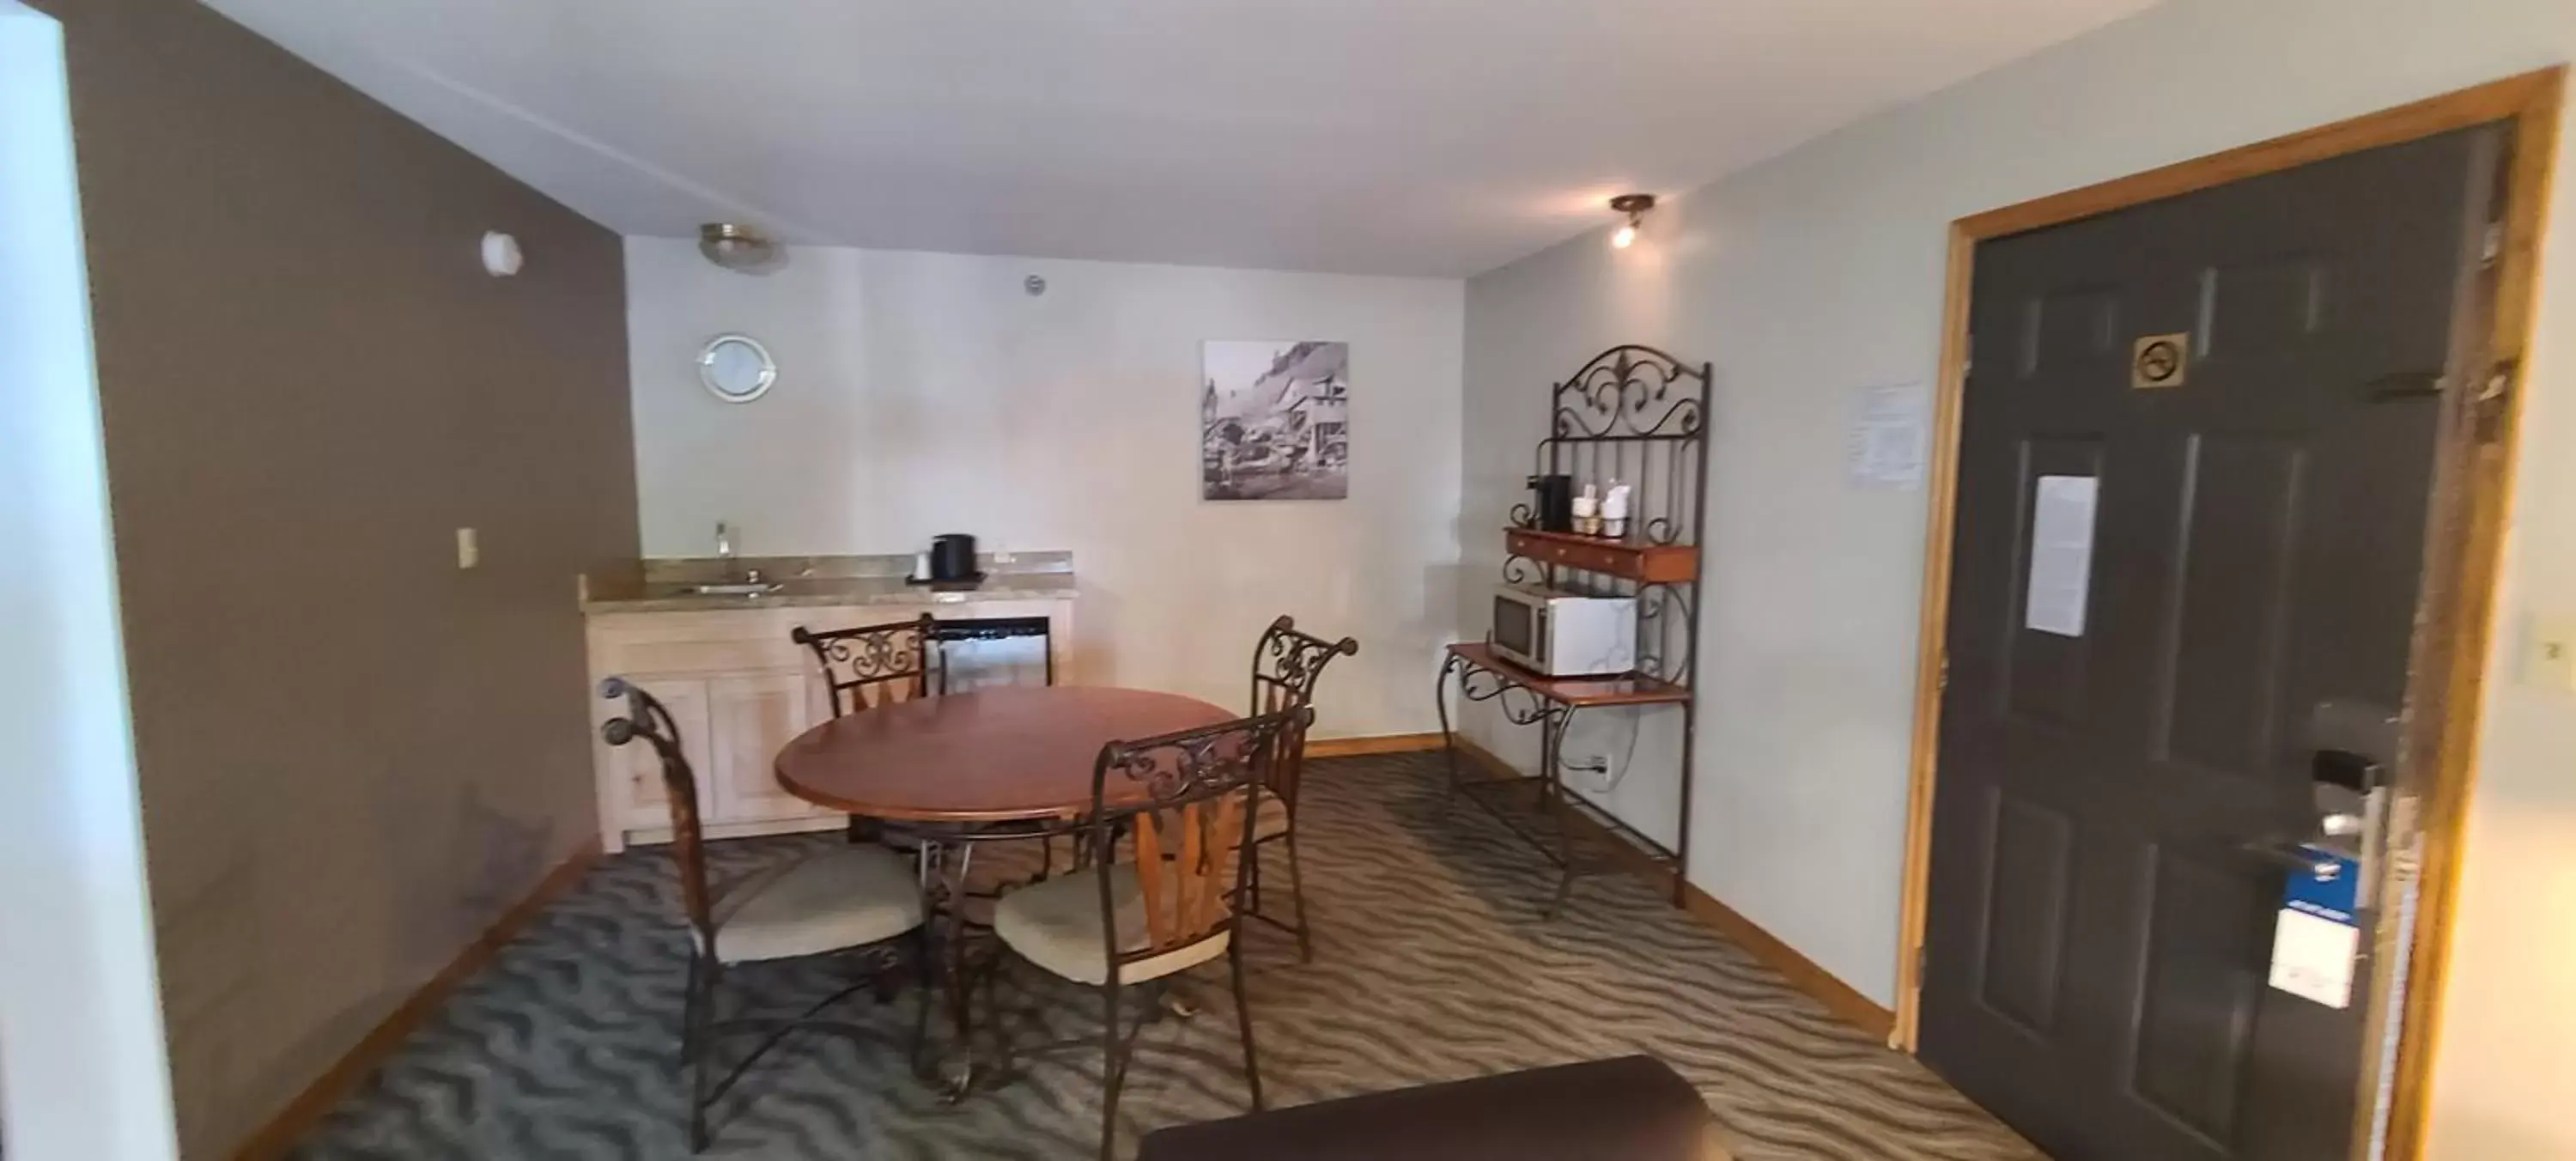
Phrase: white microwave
(1565, 634)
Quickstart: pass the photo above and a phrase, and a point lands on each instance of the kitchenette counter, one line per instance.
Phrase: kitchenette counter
(817, 592)
(670, 586)
(739, 686)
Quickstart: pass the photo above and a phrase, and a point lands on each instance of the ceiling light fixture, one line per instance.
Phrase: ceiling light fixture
(735, 247)
(1635, 206)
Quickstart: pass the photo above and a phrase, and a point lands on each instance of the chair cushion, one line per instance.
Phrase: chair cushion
(1056, 925)
(1634, 1108)
(837, 898)
(1269, 820)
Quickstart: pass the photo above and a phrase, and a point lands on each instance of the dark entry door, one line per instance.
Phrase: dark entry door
(2180, 575)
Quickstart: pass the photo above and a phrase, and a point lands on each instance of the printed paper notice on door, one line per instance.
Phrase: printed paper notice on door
(2061, 555)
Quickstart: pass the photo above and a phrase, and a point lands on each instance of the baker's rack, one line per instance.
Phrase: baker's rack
(1637, 415)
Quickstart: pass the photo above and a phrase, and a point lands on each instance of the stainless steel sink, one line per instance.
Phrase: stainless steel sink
(744, 589)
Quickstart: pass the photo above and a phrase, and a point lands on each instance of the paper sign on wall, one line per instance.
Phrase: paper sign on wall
(2061, 555)
(1890, 428)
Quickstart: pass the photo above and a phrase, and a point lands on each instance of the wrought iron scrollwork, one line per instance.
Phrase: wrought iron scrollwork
(1635, 415)
(1288, 661)
(1667, 632)
(1633, 392)
(877, 651)
(1483, 685)
(1211, 760)
(891, 659)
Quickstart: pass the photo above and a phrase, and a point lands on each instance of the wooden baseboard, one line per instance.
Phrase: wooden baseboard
(1805, 974)
(1381, 744)
(1802, 973)
(291, 1124)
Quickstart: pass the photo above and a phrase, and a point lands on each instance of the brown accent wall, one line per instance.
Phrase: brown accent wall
(353, 754)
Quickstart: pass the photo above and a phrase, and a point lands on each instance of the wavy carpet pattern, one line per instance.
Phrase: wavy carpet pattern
(1431, 964)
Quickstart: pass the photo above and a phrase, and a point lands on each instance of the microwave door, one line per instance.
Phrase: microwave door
(1511, 625)
(1520, 630)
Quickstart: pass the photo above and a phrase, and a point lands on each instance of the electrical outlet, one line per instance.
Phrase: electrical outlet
(2549, 652)
(469, 551)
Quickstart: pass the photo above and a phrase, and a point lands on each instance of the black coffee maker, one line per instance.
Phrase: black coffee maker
(1552, 503)
(952, 559)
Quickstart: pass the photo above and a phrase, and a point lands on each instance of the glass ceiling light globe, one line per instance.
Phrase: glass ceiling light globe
(1635, 205)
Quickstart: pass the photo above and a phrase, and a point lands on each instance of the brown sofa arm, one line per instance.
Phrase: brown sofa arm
(1634, 1108)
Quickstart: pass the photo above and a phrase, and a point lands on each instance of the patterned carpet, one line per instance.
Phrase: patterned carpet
(1430, 965)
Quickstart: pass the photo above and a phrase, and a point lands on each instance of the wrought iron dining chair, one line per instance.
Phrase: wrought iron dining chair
(877, 665)
(1285, 666)
(837, 900)
(873, 665)
(1185, 802)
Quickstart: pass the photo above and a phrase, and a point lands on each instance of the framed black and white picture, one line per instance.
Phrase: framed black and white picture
(1275, 420)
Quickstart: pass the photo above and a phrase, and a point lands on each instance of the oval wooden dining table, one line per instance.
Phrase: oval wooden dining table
(1008, 754)
(1023, 754)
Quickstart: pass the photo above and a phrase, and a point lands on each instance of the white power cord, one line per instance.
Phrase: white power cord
(1605, 778)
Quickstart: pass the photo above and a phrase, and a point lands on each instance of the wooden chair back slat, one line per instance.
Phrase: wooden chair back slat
(1216, 872)
(872, 665)
(1192, 839)
(1185, 891)
(1152, 880)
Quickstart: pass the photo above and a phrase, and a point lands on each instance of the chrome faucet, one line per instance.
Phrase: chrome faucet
(725, 553)
(724, 546)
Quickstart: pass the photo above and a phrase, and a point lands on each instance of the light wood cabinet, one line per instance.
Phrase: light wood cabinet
(751, 717)
(739, 690)
(638, 768)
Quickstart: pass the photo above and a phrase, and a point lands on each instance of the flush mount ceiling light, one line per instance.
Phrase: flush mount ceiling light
(1635, 206)
(736, 247)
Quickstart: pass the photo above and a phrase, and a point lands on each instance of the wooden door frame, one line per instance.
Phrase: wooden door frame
(2471, 490)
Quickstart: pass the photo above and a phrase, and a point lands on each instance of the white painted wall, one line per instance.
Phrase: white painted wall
(82, 1071)
(1821, 271)
(927, 393)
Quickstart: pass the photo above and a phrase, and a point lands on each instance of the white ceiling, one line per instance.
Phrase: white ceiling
(1432, 137)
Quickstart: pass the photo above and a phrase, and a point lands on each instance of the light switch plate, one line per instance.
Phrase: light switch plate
(468, 551)
(2549, 651)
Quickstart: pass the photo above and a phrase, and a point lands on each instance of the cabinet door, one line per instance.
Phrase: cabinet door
(648, 807)
(755, 716)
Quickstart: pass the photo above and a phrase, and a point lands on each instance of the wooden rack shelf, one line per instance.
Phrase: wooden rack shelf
(1630, 559)
(1625, 689)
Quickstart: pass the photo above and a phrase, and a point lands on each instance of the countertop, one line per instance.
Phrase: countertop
(664, 588)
